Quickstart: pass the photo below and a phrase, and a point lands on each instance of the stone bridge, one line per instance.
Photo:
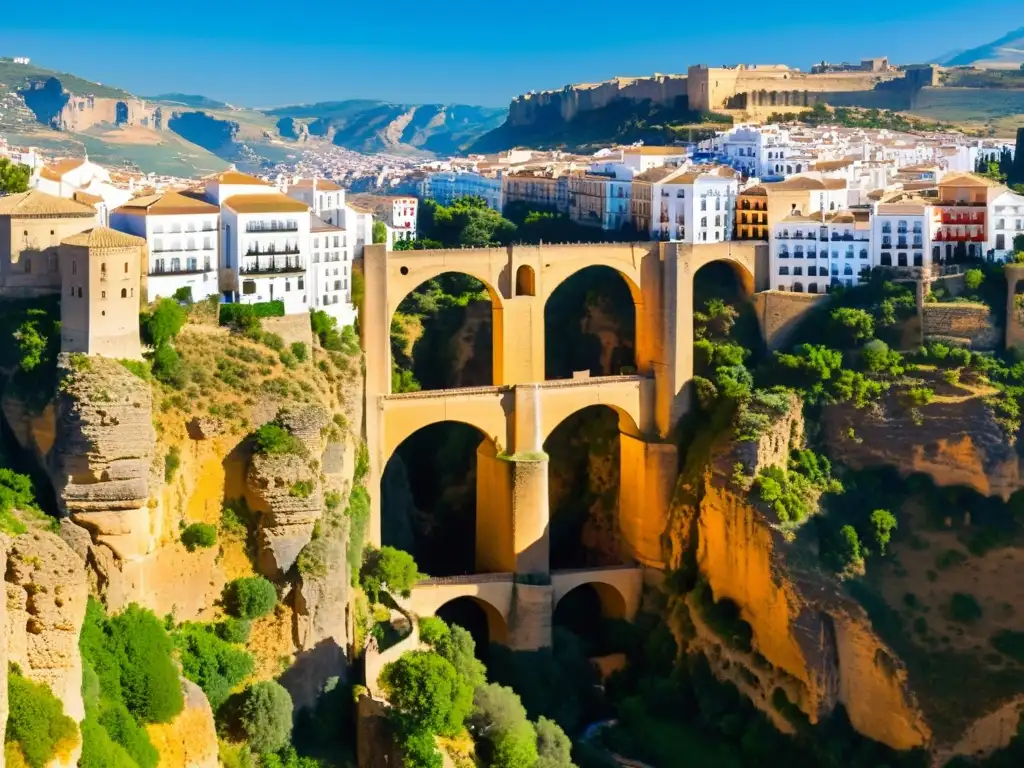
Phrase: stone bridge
(519, 614)
(517, 414)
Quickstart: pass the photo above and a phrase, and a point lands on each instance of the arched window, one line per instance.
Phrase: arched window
(525, 281)
(863, 253)
(812, 288)
(124, 293)
(783, 251)
(79, 293)
(798, 287)
(848, 269)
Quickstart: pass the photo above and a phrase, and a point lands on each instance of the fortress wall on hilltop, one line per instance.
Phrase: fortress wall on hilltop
(574, 99)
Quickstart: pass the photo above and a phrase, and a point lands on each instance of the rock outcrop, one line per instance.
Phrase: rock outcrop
(955, 443)
(190, 740)
(809, 638)
(287, 491)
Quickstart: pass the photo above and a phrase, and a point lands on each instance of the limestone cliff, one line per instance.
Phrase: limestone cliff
(957, 442)
(47, 590)
(808, 638)
(190, 740)
(287, 492)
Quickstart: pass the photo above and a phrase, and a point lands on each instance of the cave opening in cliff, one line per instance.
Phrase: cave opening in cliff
(442, 335)
(428, 498)
(583, 489)
(590, 325)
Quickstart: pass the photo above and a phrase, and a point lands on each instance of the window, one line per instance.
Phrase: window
(918, 260)
(28, 265)
(886, 260)
(248, 287)
(103, 294)
(798, 270)
(783, 270)
(887, 227)
(812, 288)
(316, 242)
(302, 283)
(124, 293)
(703, 206)
(863, 253)
(74, 267)
(79, 292)
(287, 285)
(848, 269)
(901, 260)
(783, 252)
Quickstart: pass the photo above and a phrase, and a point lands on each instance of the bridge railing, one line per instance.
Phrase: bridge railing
(469, 578)
(497, 390)
(432, 393)
(595, 569)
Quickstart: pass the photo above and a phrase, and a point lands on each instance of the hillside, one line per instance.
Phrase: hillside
(187, 100)
(1005, 53)
(378, 126)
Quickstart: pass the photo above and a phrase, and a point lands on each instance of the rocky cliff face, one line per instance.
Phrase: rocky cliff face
(809, 639)
(190, 740)
(958, 442)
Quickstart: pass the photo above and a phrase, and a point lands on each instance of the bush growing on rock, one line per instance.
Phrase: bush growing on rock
(504, 736)
(250, 597)
(148, 677)
(36, 721)
(164, 323)
(199, 535)
(554, 749)
(210, 662)
(272, 439)
(99, 750)
(266, 716)
(232, 630)
(427, 691)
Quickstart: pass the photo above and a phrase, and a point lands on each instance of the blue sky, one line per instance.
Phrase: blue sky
(274, 52)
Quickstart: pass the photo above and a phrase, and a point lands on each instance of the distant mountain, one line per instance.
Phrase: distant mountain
(1005, 53)
(377, 126)
(188, 100)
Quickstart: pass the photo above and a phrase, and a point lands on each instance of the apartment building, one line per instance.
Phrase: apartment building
(814, 253)
(1007, 223)
(964, 204)
(330, 271)
(264, 242)
(83, 181)
(445, 187)
(398, 212)
(644, 158)
(760, 208)
(537, 190)
(904, 228)
(182, 233)
(588, 198)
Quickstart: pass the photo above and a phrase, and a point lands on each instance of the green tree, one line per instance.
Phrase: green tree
(455, 644)
(554, 749)
(199, 535)
(250, 597)
(380, 232)
(213, 664)
(427, 691)
(36, 720)
(855, 325)
(973, 278)
(504, 736)
(849, 545)
(149, 678)
(883, 523)
(162, 324)
(387, 570)
(14, 177)
(266, 716)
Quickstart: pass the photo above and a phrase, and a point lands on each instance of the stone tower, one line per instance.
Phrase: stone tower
(99, 308)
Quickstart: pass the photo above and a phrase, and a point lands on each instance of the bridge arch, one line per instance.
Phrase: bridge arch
(408, 270)
(618, 589)
(623, 399)
(492, 594)
(488, 409)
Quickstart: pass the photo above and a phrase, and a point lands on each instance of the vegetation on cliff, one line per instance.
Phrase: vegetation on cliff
(37, 728)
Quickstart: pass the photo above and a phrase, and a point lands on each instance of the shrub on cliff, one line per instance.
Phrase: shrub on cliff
(852, 325)
(554, 749)
(36, 720)
(213, 664)
(266, 716)
(198, 535)
(250, 597)
(148, 677)
(99, 750)
(273, 439)
(504, 736)
(455, 644)
(160, 326)
(387, 570)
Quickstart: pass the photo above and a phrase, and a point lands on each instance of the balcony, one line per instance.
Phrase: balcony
(265, 229)
(842, 238)
(294, 251)
(182, 249)
(272, 266)
(160, 270)
(977, 219)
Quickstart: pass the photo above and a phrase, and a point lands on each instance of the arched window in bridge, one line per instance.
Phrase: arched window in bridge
(525, 281)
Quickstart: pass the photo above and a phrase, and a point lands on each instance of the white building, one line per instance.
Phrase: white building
(330, 270)
(264, 242)
(695, 205)
(813, 253)
(84, 181)
(182, 235)
(643, 158)
(903, 229)
(1007, 218)
(445, 187)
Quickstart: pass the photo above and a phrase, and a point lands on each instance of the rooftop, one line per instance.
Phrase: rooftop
(655, 151)
(967, 180)
(271, 202)
(104, 237)
(168, 204)
(237, 177)
(36, 203)
(322, 185)
(316, 224)
(56, 171)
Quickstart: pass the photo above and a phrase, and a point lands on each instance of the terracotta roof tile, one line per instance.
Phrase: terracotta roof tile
(236, 177)
(36, 203)
(322, 185)
(168, 204)
(56, 171)
(104, 237)
(271, 202)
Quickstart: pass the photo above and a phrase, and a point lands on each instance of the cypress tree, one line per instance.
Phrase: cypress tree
(1016, 174)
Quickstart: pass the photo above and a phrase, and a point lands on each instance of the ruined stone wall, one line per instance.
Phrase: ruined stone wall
(83, 112)
(973, 323)
(780, 313)
(574, 99)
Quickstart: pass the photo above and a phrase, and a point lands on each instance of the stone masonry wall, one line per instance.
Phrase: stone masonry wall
(972, 322)
(780, 312)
